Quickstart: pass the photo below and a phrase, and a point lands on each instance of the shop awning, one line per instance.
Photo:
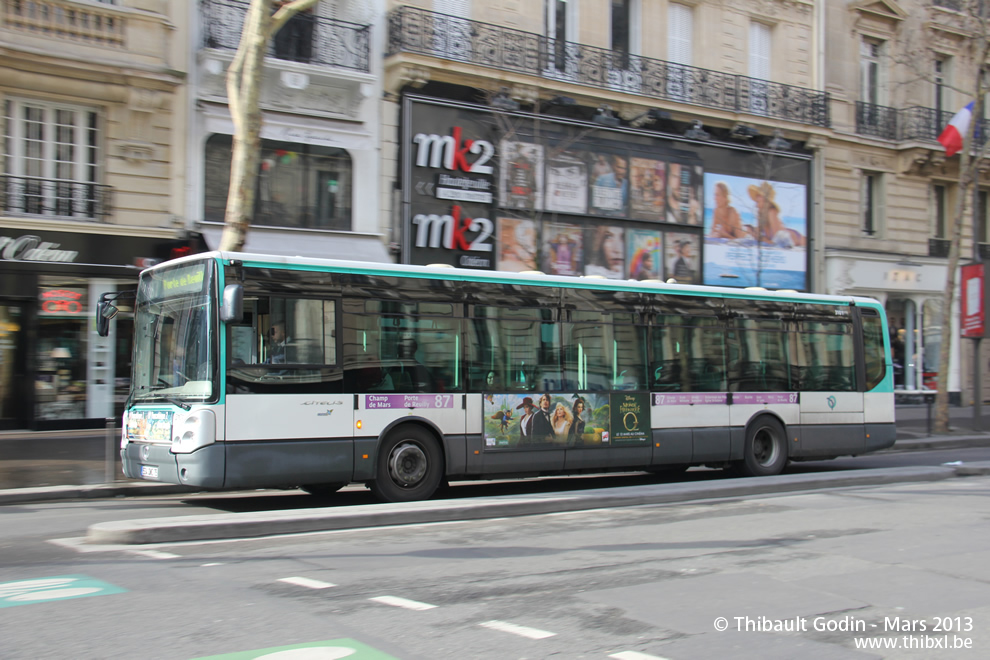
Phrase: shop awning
(302, 243)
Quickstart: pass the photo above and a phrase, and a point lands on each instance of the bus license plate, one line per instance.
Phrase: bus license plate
(149, 471)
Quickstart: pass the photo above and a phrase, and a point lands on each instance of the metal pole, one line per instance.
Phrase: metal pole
(977, 394)
(929, 398)
(110, 455)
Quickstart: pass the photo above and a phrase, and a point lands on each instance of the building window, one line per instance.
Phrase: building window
(620, 32)
(51, 160)
(941, 93)
(680, 29)
(870, 72)
(981, 226)
(759, 67)
(872, 202)
(938, 208)
(299, 185)
(561, 21)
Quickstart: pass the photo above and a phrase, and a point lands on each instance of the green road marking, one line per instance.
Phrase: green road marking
(329, 650)
(59, 587)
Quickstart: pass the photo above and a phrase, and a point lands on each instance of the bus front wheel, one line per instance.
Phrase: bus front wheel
(765, 452)
(410, 466)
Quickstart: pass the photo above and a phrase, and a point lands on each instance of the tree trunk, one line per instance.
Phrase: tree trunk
(243, 96)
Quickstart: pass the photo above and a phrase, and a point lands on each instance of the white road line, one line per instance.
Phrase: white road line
(635, 655)
(212, 563)
(306, 582)
(402, 602)
(522, 631)
(154, 554)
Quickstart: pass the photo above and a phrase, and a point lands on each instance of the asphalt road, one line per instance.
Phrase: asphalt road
(819, 574)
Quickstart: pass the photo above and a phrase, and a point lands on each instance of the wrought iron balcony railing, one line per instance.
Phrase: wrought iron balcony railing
(60, 19)
(938, 247)
(926, 124)
(55, 198)
(876, 120)
(413, 30)
(305, 38)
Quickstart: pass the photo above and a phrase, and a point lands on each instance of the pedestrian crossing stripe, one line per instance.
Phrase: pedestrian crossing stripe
(333, 649)
(58, 587)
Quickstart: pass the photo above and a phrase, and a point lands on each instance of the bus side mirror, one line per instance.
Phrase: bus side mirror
(105, 311)
(232, 307)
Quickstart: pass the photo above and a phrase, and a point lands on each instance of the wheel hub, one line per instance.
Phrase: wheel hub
(407, 464)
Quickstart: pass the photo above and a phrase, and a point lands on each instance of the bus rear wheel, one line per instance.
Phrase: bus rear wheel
(410, 466)
(765, 452)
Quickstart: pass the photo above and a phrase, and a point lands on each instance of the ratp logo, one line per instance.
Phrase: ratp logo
(831, 402)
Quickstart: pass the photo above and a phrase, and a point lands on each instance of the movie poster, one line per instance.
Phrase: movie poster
(521, 175)
(567, 183)
(644, 254)
(648, 189)
(681, 257)
(516, 245)
(605, 253)
(685, 190)
(578, 420)
(563, 249)
(609, 184)
(755, 232)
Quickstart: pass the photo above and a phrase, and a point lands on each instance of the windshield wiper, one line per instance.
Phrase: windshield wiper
(170, 399)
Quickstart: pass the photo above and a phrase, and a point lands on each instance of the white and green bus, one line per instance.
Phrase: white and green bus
(257, 371)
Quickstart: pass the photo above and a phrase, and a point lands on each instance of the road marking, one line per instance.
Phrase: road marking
(154, 554)
(212, 563)
(522, 631)
(402, 602)
(306, 582)
(59, 587)
(635, 655)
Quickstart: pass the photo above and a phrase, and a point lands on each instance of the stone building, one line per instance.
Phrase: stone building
(93, 103)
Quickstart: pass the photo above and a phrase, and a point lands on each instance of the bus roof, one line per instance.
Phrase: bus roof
(504, 277)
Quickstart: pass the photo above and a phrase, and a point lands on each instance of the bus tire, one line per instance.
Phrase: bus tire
(765, 452)
(321, 490)
(410, 466)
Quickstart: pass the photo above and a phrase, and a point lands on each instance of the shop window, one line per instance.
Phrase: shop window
(299, 185)
(61, 356)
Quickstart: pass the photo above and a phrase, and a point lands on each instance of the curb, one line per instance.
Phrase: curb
(97, 491)
(241, 525)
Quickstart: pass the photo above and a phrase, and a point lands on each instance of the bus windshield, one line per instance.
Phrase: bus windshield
(174, 335)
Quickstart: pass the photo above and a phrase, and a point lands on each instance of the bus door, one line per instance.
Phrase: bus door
(831, 398)
(284, 386)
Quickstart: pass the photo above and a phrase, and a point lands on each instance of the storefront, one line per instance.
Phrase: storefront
(524, 191)
(55, 371)
(912, 291)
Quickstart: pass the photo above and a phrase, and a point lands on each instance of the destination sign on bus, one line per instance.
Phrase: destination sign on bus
(177, 281)
(392, 401)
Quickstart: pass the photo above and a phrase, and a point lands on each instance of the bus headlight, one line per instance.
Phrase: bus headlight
(193, 430)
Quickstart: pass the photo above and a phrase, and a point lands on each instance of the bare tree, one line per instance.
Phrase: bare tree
(264, 19)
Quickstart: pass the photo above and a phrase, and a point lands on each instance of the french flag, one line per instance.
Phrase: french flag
(953, 135)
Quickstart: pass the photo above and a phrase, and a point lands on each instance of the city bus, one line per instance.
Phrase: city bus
(257, 371)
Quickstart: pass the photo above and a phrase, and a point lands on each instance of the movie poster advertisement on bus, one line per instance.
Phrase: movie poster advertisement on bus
(521, 175)
(567, 183)
(755, 232)
(681, 252)
(516, 244)
(685, 190)
(644, 254)
(563, 249)
(609, 184)
(605, 254)
(648, 189)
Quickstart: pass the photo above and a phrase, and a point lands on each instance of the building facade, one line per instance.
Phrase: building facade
(93, 106)
(318, 182)
(898, 72)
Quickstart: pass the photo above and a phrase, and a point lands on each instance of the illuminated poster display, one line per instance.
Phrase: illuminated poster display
(755, 232)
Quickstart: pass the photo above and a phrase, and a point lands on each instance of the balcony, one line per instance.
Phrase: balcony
(54, 198)
(876, 120)
(58, 19)
(413, 30)
(305, 38)
(938, 247)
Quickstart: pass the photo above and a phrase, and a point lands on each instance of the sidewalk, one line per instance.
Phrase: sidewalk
(59, 465)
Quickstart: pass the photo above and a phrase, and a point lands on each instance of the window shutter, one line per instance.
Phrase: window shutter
(680, 29)
(759, 51)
